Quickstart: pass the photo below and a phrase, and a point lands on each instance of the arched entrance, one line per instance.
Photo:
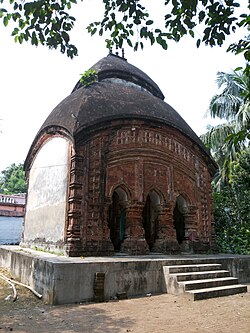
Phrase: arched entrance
(150, 218)
(179, 219)
(117, 217)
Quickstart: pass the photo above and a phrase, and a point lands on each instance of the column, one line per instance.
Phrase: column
(134, 242)
(190, 229)
(107, 245)
(166, 241)
(73, 244)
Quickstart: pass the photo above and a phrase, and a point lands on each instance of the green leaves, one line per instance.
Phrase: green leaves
(181, 18)
(48, 22)
(243, 45)
(120, 17)
(42, 22)
(232, 104)
(6, 19)
(88, 77)
(231, 209)
(12, 180)
(218, 19)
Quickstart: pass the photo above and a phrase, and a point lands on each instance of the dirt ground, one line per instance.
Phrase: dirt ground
(162, 313)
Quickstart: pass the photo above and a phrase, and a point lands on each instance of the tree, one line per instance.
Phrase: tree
(231, 209)
(232, 104)
(48, 22)
(12, 180)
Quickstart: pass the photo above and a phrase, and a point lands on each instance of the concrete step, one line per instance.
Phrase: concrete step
(208, 283)
(200, 275)
(193, 268)
(199, 294)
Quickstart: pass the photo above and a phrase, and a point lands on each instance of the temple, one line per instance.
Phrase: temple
(116, 169)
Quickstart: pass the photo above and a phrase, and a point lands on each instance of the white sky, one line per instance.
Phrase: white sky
(34, 80)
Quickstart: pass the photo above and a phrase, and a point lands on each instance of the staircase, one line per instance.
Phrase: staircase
(201, 281)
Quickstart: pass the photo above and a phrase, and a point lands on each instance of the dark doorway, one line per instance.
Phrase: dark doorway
(179, 219)
(150, 218)
(117, 218)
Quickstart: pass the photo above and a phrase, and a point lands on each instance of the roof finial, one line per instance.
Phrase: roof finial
(123, 53)
(117, 53)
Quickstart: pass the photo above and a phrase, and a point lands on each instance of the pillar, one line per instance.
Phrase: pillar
(134, 242)
(166, 239)
(190, 229)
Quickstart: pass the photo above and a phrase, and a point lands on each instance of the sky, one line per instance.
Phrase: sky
(33, 80)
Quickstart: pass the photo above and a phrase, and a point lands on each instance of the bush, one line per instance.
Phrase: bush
(231, 209)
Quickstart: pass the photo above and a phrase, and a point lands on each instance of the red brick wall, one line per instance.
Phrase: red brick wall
(139, 158)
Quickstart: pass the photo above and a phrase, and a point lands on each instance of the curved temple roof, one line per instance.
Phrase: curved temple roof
(114, 66)
(122, 92)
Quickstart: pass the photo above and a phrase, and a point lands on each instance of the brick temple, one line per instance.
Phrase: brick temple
(116, 169)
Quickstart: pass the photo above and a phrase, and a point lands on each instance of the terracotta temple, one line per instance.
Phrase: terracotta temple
(116, 169)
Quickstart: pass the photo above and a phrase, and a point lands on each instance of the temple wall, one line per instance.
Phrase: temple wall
(47, 189)
(140, 158)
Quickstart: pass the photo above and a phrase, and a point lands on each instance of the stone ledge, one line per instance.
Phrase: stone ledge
(64, 280)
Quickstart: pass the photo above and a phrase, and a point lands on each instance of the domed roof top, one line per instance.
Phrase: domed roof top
(114, 66)
(121, 92)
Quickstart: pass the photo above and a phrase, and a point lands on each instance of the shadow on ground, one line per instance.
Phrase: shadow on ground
(74, 318)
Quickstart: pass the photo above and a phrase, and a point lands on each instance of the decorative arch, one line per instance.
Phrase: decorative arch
(47, 192)
(185, 197)
(117, 215)
(155, 191)
(180, 209)
(121, 187)
(150, 216)
(44, 137)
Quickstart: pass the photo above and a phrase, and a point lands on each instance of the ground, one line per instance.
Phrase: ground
(149, 314)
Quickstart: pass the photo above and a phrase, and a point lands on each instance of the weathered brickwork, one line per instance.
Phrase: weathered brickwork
(148, 167)
(133, 176)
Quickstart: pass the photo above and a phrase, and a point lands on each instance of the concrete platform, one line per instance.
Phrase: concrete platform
(64, 280)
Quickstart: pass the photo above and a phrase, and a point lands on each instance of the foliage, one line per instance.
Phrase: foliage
(231, 209)
(48, 22)
(12, 180)
(43, 22)
(228, 143)
(243, 45)
(232, 104)
(181, 18)
(88, 77)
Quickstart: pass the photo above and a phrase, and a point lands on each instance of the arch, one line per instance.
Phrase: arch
(122, 189)
(153, 192)
(45, 136)
(181, 207)
(182, 204)
(117, 217)
(122, 194)
(150, 215)
(47, 192)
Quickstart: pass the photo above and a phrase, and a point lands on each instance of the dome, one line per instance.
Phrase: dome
(114, 66)
(122, 91)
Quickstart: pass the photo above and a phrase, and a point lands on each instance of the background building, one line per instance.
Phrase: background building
(12, 209)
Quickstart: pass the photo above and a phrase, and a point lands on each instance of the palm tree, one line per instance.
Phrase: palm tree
(231, 104)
